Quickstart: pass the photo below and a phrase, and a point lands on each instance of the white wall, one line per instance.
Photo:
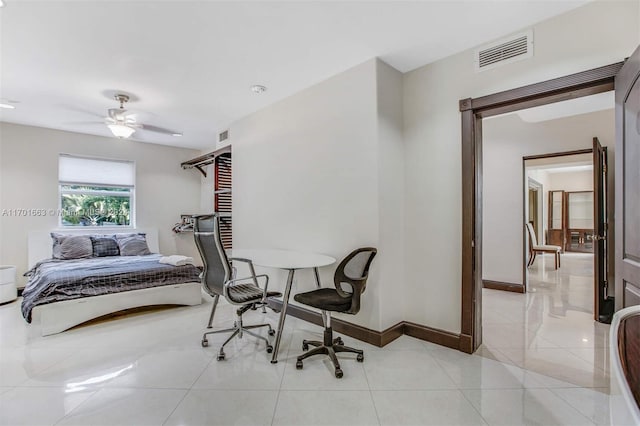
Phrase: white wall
(29, 179)
(596, 34)
(506, 140)
(321, 171)
(571, 181)
(391, 195)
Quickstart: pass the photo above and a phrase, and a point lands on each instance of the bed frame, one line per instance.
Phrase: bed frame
(60, 316)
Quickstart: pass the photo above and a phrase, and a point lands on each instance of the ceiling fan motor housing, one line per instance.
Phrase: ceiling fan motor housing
(122, 98)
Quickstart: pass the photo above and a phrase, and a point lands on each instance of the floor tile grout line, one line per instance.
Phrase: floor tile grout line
(464, 395)
(176, 407)
(70, 413)
(284, 372)
(444, 370)
(373, 401)
(570, 404)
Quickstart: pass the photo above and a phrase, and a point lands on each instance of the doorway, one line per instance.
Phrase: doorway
(473, 112)
(566, 201)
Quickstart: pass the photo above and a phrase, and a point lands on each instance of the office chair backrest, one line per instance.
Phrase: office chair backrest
(533, 241)
(216, 265)
(354, 271)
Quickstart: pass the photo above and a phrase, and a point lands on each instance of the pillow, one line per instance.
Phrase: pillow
(133, 245)
(67, 247)
(120, 236)
(105, 246)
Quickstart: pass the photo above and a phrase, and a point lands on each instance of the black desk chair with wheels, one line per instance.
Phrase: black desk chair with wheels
(352, 273)
(217, 280)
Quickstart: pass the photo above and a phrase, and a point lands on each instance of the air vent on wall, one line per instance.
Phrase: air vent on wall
(515, 48)
(223, 136)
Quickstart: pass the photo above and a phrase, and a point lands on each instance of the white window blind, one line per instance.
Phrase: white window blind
(95, 172)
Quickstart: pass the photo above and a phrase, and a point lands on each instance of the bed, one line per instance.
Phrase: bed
(61, 294)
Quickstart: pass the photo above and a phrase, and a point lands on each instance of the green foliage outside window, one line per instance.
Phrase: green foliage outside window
(95, 206)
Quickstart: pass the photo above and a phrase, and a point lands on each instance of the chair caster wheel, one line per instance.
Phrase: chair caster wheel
(338, 373)
(269, 349)
(272, 332)
(305, 346)
(339, 341)
(205, 343)
(299, 365)
(221, 357)
(360, 358)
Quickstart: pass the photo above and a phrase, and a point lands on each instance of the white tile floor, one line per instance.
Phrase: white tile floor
(543, 363)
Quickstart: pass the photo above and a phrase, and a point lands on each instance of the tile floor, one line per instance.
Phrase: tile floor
(543, 363)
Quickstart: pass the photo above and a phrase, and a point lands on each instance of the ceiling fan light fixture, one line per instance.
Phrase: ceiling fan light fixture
(121, 131)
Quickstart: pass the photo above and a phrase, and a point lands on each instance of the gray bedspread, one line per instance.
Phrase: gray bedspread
(55, 280)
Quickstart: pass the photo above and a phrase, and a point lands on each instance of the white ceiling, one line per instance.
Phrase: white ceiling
(562, 164)
(583, 105)
(189, 64)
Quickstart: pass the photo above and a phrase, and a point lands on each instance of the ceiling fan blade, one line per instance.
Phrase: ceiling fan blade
(80, 110)
(83, 123)
(157, 129)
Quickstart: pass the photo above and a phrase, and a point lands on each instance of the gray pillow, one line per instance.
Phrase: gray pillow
(134, 245)
(105, 246)
(67, 247)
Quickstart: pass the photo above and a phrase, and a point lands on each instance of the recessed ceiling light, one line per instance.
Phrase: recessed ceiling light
(177, 135)
(256, 88)
(1, 3)
(5, 105)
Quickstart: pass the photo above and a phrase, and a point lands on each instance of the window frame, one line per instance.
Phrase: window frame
(131, 194)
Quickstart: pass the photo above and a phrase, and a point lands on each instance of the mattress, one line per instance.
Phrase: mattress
(53, 280)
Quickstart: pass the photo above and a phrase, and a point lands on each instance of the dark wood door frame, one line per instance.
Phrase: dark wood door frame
(473, 110)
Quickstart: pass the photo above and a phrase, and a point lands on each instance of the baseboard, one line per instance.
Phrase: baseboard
(376, 338)
(392, 333)
(352, 330)
(466, 343)
(499, 285)
(433, 335)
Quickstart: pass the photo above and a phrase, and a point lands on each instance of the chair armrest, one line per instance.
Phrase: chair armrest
(253, 271)
(265, 276)
(241, 259)
(255, 280)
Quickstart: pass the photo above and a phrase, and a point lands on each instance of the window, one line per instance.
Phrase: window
(96, 192)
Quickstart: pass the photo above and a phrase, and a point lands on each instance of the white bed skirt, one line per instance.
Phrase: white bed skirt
(60, 316)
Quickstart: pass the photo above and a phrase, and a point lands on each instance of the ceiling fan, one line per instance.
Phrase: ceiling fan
(123, 123)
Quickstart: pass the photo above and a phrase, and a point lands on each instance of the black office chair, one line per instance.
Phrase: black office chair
(218, 279)
(352, 271)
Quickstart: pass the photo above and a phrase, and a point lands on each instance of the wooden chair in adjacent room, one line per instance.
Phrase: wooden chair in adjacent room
(535, 248)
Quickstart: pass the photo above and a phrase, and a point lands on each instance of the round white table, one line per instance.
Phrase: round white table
(288, 260)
